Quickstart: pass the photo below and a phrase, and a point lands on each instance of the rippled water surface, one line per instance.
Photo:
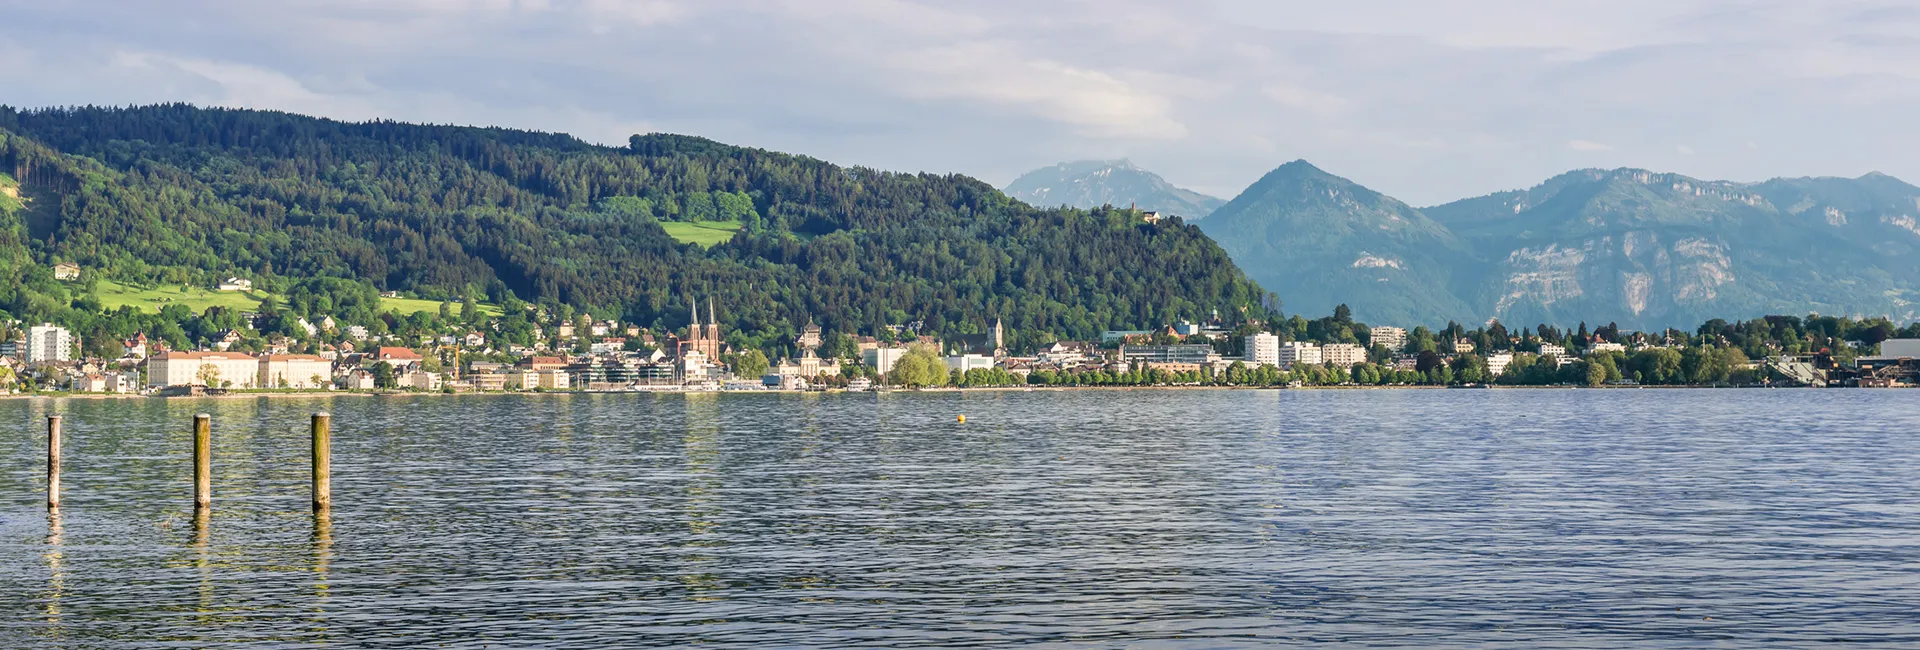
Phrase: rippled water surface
(1503, 518)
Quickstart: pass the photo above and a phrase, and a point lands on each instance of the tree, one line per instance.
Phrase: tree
(750, 364)
(383, 375)
(209, 375)
(919, 368)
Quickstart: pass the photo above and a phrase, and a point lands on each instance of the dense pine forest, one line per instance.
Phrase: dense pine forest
(177, 194)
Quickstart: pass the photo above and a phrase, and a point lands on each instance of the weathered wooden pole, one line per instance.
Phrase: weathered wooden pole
(202, 462)
(322, 462)
(53, 464)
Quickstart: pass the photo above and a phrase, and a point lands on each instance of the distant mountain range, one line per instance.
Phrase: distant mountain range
(1094, 183)
(1640, 248)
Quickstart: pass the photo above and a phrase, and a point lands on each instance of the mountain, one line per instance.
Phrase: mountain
(178, 194)
(1643, 249)
(1094, 183)
(1318, 240)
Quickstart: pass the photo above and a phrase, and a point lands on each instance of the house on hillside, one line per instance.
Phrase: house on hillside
(66, 271)
(236, 284)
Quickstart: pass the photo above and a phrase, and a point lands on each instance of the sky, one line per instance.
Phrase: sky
(1424, 100)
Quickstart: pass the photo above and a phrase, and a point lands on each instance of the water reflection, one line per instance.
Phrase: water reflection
(55, 557)
(1125, 518)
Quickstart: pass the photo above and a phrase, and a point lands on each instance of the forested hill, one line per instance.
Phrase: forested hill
(177, 193)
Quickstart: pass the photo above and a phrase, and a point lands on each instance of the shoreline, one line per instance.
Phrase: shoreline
(946, 389)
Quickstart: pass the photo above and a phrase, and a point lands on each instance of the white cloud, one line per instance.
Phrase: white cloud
(1425, 101)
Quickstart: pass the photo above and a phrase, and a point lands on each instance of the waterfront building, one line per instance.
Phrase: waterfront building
(1497, 364)
(1343, 355)
(49, 343)
(967, 362)
(1394, 338)
(1192, 353)
(1294, 353)
(90, 383)
(881, 360)
(521, 379)
(1262, 349)
(210, 369)
(300, 371)
(123, 382)
(488, 381)
(421, 380)
(554, 380)
(1067, 354)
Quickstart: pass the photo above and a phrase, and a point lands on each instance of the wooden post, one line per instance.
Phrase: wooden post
(202, 462)
(53, 463)
(322, 462)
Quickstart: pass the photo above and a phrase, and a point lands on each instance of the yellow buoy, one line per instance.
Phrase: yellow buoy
(963, 419)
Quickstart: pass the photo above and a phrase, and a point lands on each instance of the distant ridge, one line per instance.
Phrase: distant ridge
(1640, 248)
(1093, 183)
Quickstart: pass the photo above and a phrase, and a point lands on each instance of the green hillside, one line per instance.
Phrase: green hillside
(1318, 240)
(171, 195)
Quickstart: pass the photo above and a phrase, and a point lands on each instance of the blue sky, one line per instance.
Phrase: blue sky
(1427, 101)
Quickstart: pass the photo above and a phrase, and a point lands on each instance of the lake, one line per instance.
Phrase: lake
(1397, 518)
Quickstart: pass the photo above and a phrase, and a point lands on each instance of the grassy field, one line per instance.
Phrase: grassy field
(9, 193)
(414, 305)
(113, 295)
(704, 233)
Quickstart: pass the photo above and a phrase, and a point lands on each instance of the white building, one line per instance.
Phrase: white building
(1607, 346)
(966, 362)
(881, 360)
(1294, 353)
(236, 284)
(1343, 355)
(222, 369)
(1497, 363)
(301, 371)
(1392, 337)
(1263, 349)
(49, 343)
(1462, 346)
(1549, 349)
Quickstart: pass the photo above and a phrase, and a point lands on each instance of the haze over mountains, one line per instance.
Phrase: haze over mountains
(1094, 183)
(1640, 248)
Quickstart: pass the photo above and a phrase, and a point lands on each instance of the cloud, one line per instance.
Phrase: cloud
(1424, 101)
